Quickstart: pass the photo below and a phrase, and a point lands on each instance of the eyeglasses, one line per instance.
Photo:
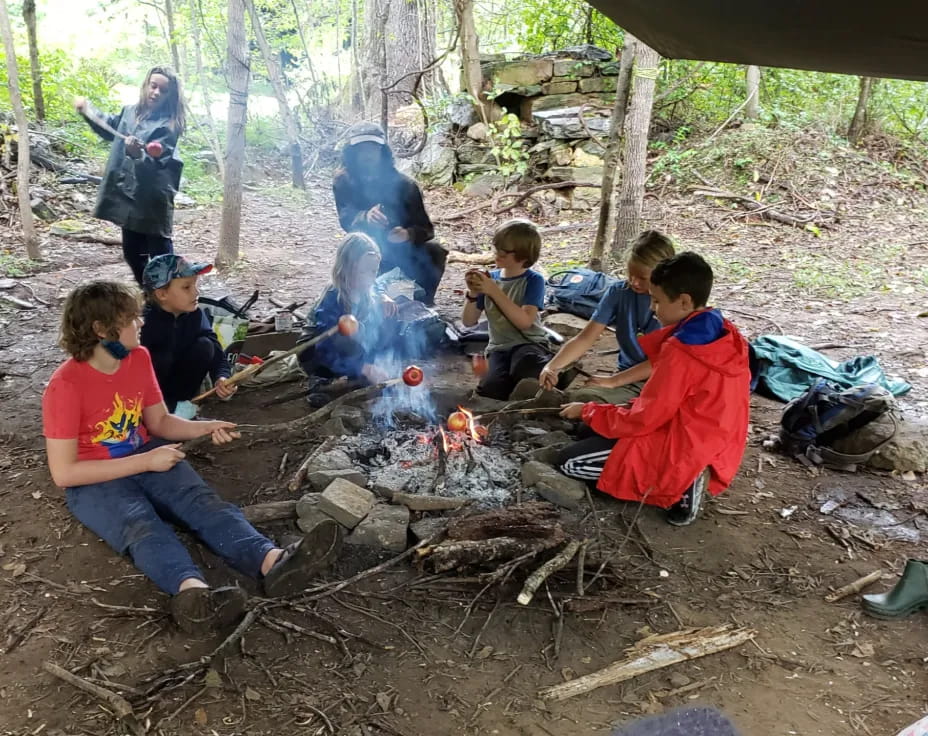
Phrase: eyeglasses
(503, 250)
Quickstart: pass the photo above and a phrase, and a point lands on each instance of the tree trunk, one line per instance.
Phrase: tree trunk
(211, 137)
(470, 57)
(22, 137)
(37, 96)
(859, 121)
(172, 34)
(239, 73)
(277, 82)
(410, 45)
(635, 149)
(613, 148)
(374, 73)
(752, 91)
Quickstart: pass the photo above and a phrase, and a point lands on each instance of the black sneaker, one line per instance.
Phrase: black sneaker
(303, 560)
(685, 511)
(200, 611)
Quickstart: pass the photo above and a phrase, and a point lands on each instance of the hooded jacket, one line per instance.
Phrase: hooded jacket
(138, 194)
(691, 414)
(398, 195)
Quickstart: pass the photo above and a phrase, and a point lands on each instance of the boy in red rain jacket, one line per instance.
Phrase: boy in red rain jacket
(685, 434)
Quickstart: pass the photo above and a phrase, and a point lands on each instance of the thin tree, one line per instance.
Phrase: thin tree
(22, 137)
(470, 56)
(172, 34)
(239, 73)
(635, 149)
(752, 92)
(277, 82)
(859, 121)
(613, 149)
(212, 138)
(37, 97)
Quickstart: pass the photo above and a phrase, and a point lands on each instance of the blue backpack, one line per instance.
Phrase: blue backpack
(812, 423)
(577, 291)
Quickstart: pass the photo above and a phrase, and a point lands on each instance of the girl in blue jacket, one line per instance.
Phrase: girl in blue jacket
(352, 292)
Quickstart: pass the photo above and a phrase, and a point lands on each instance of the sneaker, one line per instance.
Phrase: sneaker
(200, 611)
(186, 410)
(685, 511)
(303, 560)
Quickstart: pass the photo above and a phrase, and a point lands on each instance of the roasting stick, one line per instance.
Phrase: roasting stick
(347, 325)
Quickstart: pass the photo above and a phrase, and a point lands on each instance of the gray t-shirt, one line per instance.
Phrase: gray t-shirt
(528, 289)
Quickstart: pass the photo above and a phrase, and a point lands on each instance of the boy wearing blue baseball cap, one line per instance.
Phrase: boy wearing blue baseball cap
(184, 349)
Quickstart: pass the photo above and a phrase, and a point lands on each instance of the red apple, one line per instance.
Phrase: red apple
(479, 365)
(154, 149)
(348, 325)
(413, 375)
(457, 421)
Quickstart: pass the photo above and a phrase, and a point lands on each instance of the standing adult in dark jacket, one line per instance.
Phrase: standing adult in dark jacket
(140, 180)
(374, 198)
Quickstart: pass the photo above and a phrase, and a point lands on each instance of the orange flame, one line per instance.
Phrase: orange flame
(446, 445)
(472, 429)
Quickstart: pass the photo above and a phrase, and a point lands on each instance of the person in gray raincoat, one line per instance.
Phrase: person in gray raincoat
(143, 170)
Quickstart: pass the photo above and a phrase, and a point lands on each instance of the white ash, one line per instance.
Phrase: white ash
(486, 472)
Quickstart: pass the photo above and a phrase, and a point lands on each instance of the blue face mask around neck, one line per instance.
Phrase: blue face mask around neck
(115, 348)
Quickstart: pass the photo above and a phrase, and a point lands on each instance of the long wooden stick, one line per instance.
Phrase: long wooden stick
(855, 587)
(119, 704)
(254, 370)
(547, 570)
(532, 410)
(654, 653)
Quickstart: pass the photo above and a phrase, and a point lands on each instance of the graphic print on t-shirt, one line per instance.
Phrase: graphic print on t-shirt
(119, 432)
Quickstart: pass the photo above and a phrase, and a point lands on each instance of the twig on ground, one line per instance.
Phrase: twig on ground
(301, 472)
(557, 562)
(854, 587)
(118, 703)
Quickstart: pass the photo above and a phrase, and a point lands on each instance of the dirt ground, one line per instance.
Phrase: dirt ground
(404, 653)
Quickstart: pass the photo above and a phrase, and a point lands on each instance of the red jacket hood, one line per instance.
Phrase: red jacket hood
(727, 354)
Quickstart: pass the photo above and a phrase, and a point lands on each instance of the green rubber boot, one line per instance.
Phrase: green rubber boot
(909, 595)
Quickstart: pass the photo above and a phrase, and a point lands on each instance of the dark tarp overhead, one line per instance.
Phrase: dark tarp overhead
(882, 39)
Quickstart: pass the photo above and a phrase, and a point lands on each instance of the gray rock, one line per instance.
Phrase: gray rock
(308, 503)
(585, 174)
(477, 169)
(573, 68)
(346, 502)
(427, 527)
(387, 484)
(436, 164)
(333, 427)
(478, 132)
(548, 455)
(462, 112)
(563, 122)
(519, 73)
(384, 528)
(183, 200)
(552, 485)
(907, 451)
(331, 460)
(322, 479)
(472, 154)
(557, 437)
(483, 185)
(352, 416)
(609, 69)
(41, 210)
(585, 51)
(311, 519)
(598, 84)
(565, 324)
(576, 99)
(564, 87)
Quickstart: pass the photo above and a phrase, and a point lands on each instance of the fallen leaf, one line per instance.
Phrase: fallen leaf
(199, 717)
(384, 700)
(485, 652)
(212, 678)
(252, 694)
(37, 495)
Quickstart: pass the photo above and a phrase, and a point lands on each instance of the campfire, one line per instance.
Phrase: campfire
(456, 458)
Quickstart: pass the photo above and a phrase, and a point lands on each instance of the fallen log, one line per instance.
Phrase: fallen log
(654, 653)
(474, 259)
(450, 555)
(260, 513)
(557, 562)
(536, 520)
(425, 502)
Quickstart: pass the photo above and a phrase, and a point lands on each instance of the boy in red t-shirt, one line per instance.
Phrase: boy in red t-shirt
(102, 411)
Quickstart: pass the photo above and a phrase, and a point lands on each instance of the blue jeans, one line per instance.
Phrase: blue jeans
(133, 515)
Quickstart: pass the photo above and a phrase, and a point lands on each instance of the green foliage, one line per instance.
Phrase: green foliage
(13, 266)
(547, 26)
(201, 182)
(507, 145)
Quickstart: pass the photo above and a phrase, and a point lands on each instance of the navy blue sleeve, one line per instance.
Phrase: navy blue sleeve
(220, 366)
(534, 290)
(608, 306)
(339, 354)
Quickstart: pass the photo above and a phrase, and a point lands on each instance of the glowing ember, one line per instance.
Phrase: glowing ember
(413, 375)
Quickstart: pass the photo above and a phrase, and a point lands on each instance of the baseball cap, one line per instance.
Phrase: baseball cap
(365, 133)
(162, 270)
